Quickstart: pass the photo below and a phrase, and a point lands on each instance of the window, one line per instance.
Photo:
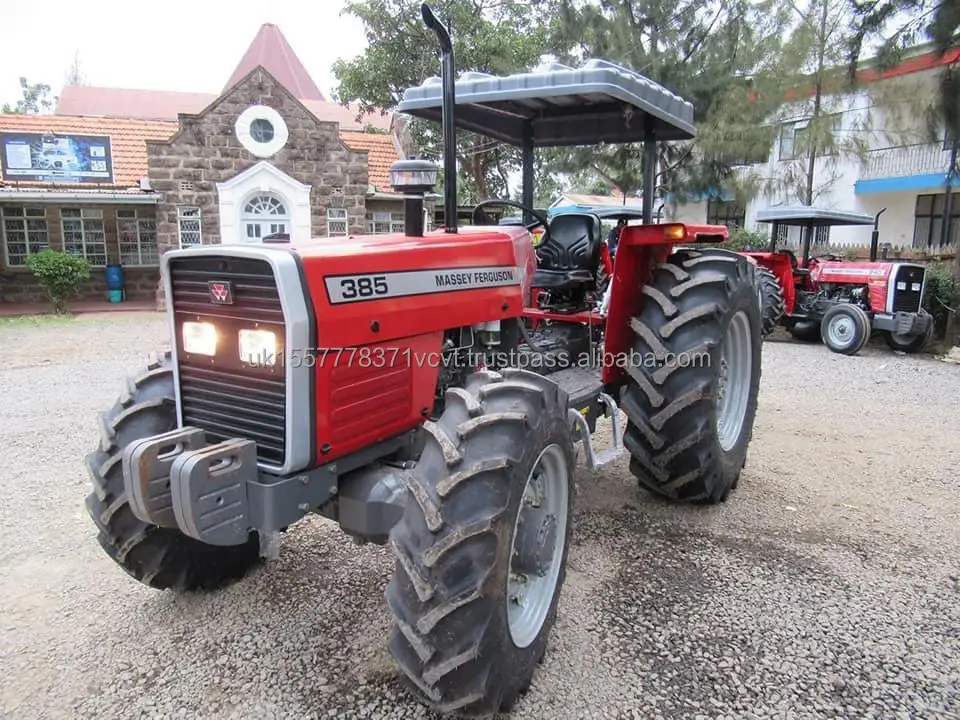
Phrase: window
(730, 214)
(795, 136)
(83, 234)
(188, 226)
(137, 238)
(928, 220)
(821, 235)
(337, 222)
(24, 233)
(264, 215)
(381, 222)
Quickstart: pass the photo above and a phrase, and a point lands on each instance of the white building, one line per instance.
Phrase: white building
(897, 167)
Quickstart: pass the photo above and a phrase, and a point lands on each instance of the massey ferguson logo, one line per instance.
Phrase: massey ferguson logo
(221, 292)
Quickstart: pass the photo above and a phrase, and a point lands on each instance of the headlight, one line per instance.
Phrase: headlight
(200, 338)
(258, 347)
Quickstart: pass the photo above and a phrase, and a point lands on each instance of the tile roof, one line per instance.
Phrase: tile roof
(130, 151)
(89, 101)
(127, 140)
(271, 51)
(382, 153)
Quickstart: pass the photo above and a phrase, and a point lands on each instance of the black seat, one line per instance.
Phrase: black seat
(569, 254)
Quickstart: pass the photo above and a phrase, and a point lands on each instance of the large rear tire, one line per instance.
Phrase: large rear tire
(772, 303)
(158, 557)
(690, 415)
(463, 643)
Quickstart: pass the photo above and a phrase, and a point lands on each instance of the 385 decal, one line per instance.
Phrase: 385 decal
(406, 283)
(363, 287)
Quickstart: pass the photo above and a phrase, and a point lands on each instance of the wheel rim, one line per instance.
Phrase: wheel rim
(733, 385)
(841, 331)
(537, 545)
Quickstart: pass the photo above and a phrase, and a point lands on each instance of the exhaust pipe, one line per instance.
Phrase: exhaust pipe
(875, 236)
(449, 126)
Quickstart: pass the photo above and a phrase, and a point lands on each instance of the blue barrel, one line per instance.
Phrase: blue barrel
(114, 277)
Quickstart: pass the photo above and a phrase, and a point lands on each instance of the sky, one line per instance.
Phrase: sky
(188, 45)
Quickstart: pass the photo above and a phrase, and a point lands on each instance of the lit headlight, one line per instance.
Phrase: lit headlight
(200, 338)
(258, 347)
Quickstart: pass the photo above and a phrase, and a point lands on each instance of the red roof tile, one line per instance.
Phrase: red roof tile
(382, 153)
(127, 139)
(271, 51)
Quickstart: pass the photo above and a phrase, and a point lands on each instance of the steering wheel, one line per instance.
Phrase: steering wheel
(541, 219)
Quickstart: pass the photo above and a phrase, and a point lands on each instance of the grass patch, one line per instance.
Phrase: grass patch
(36, 320)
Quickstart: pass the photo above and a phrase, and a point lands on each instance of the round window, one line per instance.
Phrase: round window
(261, 130)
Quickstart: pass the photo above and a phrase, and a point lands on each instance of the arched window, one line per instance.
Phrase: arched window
(263, 215)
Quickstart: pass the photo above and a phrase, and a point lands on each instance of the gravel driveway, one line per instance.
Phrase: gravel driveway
(826, 587)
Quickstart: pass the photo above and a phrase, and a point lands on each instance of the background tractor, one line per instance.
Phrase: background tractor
(374, 380)
(839, 302)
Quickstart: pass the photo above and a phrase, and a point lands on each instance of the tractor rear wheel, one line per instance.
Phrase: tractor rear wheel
(158, 557)
(772, 303)
(690, 415)
(845, 329)
(482, 544)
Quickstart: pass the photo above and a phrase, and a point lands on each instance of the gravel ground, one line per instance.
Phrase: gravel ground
(825, 587)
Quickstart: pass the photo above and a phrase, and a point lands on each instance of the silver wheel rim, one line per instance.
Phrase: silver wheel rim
(529, 594)
(733, 385)
(841, 331)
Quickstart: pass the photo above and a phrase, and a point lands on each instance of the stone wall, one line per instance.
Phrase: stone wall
(18, 285)
(185, 170)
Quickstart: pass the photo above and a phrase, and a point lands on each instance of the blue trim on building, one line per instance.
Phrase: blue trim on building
(911, 183)
(712, 194)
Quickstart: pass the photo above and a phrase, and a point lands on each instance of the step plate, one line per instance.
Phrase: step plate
(146, 473)
(209, 491)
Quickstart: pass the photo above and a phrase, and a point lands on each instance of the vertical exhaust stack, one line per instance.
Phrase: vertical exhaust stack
(449, 126)
(875, 236)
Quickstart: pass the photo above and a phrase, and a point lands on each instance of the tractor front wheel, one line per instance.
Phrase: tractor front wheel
(690, 414)
(772, 303)
(159, 557)
(482, 544)
(845, 329)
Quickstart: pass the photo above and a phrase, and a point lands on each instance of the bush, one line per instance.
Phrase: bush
(61, 275)
(942, 294)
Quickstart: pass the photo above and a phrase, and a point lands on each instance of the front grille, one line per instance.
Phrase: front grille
(907, 289)
(223, 395)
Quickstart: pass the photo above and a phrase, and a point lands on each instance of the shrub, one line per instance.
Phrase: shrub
(743, 239)
(942, 295)
(60, 274)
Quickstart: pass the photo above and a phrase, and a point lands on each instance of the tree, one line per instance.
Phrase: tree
(36, 100)
(815, 90)
(718, 55)
(492, 36)
(75, 75)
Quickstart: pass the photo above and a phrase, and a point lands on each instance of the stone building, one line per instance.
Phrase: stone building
(120, 176)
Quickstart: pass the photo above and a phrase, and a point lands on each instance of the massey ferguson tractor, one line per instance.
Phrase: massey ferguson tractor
(378, 381)
(826, 298)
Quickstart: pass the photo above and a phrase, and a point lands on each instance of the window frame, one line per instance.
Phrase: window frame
(85, 215)
(342, 216)
(122, 216)
(24, 218)
(731, 210)
(935, 218)
(184, 217)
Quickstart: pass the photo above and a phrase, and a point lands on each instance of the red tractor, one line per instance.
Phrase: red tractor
(379, 381)
(826, 298)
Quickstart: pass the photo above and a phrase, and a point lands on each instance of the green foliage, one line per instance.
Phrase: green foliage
(942, 295)
(494, 36)
(743, 239)
(36, 99)
(61, 275)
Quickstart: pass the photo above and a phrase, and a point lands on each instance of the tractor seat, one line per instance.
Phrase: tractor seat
(569, 254)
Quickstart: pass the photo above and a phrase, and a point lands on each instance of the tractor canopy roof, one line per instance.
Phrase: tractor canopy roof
(557, 105)
(812, 215)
